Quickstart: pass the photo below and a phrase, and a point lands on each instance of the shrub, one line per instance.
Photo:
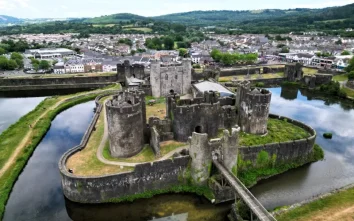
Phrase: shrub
(327, 135)
(197, 66)
(351, 76)
(260, 84)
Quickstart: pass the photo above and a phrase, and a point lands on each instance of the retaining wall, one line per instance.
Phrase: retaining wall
(99, 189)
(55, 83)
(285, 151)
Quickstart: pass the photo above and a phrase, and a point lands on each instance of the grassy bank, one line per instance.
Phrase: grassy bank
(34, 125)
(338, 206)
(266, 166)
(86, 163)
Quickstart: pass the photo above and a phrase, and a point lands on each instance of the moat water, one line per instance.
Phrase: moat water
(37, 194)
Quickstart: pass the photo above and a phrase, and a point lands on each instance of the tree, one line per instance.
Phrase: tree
(2, 51)
(19, 63)
(35, 66)
(3, 63)
(227, 59)
(11, 65)
(339, 42)
(77, 50)
(350, 67)
(168, 43)
(284, 50)
(345, 52)
(133, 52)
(182, 52)
(44, 65)
(15, 56)
(351, 76)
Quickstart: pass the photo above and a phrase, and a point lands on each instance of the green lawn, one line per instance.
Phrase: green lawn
(253, 77)
(278, 131)
(349, 91)
(341, 77)
(338, 203)
(140, 29)
(309, 71)
(146, 155)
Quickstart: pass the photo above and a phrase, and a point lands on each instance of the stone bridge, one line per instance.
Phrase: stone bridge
(255, 206)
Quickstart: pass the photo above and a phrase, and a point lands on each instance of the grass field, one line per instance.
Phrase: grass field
(139, 29)
(349, 91)
(104, 25)
(341, 77)
(338, 206)
(278, 131)
(156, 110)
(253, 76)
(309, 71)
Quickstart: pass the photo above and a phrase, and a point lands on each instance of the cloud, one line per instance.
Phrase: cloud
(6, 5)
(22, 3)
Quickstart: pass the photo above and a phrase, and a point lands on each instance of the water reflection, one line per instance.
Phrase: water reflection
(161, 207)
(37, 195)
(336, 171)
(13, 109)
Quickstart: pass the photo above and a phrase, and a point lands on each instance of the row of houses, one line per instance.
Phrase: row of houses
(338, 62)
(85, 66)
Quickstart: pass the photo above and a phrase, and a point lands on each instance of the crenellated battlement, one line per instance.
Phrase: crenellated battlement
(126, 117)
(126, 102)
(253, 108)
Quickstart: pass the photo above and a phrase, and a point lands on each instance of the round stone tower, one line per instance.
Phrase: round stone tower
(253, 109)
(126, 117)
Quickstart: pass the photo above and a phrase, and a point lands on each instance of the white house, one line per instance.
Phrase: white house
(74, 66)
(59, 68)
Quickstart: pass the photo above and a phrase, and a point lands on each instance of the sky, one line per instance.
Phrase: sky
(95, 8)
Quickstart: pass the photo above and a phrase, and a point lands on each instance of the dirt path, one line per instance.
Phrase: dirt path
(125, 164)
(25, 140)
(29, 134)
(333, 214)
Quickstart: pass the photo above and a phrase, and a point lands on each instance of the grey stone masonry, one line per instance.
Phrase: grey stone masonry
(175, 78)
(126, 117)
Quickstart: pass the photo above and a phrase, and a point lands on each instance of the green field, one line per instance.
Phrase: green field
(341, 77)
(338, 206)
(140, 29)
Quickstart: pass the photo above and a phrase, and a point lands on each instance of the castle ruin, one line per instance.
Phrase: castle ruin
(126, 118)
(176, 78)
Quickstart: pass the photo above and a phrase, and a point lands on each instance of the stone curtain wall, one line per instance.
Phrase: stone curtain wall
(155, 141)
(239, 71)
(100, 189)
(35, 82)
(268, 70)
(145, 177)
(285, 151)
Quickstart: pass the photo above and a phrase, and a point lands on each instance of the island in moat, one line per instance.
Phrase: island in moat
(164, 132)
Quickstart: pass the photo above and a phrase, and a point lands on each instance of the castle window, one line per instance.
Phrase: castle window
(198, 129)
(176, 77)
(166, 77)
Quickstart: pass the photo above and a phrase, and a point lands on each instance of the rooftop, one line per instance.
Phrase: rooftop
(212, 86)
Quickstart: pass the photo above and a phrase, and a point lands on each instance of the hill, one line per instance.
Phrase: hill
(5, 20)
(114, 19)
(222, 17)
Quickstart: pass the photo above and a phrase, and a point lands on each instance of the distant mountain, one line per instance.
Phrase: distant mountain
(116, 18)
(5, 20)
(219, 17)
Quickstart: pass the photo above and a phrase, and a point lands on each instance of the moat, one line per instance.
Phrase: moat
(34, 200)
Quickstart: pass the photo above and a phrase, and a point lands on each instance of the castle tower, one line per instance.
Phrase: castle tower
(170, 78)
(201, 115)
(293, 72)
(253, 109)
(126, 117)
(201, 154)
(229, 149)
